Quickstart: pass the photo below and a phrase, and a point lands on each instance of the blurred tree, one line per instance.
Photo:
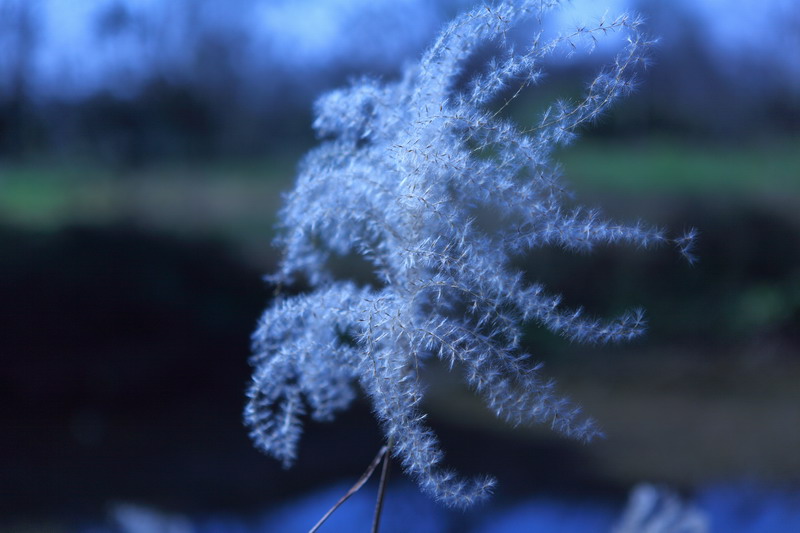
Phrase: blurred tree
(719, 76)
(249, 69)
(19, 35)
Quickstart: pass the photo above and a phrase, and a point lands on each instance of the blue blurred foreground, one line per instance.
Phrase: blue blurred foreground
(718, 509)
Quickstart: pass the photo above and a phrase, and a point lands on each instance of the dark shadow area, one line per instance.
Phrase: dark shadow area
(125, 362)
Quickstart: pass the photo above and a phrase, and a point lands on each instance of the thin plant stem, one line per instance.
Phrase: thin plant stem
(387, 459)
(360, 483)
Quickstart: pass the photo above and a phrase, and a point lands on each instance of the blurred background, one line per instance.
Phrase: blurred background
(144, 148)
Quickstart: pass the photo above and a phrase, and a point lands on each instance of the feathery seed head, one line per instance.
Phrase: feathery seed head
(404, 172)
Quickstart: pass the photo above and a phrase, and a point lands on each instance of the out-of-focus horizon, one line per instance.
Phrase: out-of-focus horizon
(177, 79)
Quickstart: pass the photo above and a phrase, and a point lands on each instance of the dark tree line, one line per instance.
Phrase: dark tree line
(192, 80)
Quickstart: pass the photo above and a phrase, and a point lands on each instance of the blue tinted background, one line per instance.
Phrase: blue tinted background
(144, 146)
